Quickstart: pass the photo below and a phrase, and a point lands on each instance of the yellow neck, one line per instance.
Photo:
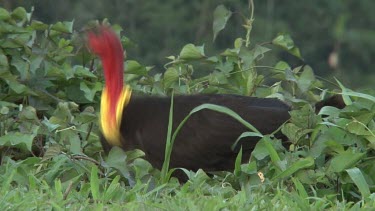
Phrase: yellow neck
(110, 129)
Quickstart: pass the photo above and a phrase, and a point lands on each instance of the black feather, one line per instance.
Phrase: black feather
(205, 140)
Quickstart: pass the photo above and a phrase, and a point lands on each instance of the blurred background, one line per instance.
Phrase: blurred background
(336, 37)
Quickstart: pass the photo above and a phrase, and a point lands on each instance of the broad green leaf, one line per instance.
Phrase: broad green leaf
(247, 57)
(38, 25)
(249, 168)
(4, 65)
(80, 71)
(329, 111)
(4, 14)
(50, 126)
(225, 67)
(221, 17)
(35, 63)
(345, 160)
(91, 90)
(358, 128)
(8, 104)
(19, 13)
(171, 58)
(134, 154)
(238, 43)
(294, 133)
(13, 83)
(171, 75)
(231, 53)
(304, 118)
(298, 165)
(259, 50)
(192, 52)
(260, 151)
(360, 181)
(117, 159)
(28, 113)
(19, 140)
(65, 71)
(4, 110)
(80, 91)
(133, 67)
(142, 168)
(290, 76)
(371, 139)
(295, 52)
(87, 116)
(64, 27)
(213, 59)
(282, 65)
(75, 142)
(335, 146)
(22, 67)
(52, 151)
(285, 41)
(217, 78)
(306, 79)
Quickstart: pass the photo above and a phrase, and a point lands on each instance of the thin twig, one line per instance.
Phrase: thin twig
(68, 189)
(89, 131)
(81, 157)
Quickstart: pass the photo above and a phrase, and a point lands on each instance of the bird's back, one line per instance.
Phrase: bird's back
(206, 138)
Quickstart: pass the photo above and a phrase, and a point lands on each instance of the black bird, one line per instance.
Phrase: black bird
(205, 140)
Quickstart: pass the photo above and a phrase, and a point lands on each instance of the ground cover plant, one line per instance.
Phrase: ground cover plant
(51, 156)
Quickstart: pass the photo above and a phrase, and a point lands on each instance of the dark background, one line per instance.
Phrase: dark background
(160, 28)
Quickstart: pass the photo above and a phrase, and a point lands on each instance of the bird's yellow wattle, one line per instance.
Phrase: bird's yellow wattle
(111, 126)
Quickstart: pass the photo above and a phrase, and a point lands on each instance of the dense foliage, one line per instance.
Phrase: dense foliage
(50, 152)
(336, 36)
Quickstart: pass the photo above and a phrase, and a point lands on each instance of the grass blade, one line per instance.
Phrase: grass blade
(272, 152)
(94, 183)
(359, 180)
(237, 164)
(244, 135)
(170, 140)
(299, 187)
(168, 146)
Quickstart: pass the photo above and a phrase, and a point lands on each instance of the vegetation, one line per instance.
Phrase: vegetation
(51, 157)
(336, 36)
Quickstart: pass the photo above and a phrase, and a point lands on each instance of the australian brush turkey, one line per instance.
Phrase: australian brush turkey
(205, 140)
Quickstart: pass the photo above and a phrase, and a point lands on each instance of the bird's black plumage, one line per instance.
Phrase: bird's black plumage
(206, 138)
(204, 141)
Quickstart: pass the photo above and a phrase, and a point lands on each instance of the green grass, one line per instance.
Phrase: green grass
(170, 197)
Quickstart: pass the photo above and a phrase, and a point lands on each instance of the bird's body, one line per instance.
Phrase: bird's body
(206, 138)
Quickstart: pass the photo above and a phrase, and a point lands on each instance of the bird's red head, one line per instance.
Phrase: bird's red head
(105, 43)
